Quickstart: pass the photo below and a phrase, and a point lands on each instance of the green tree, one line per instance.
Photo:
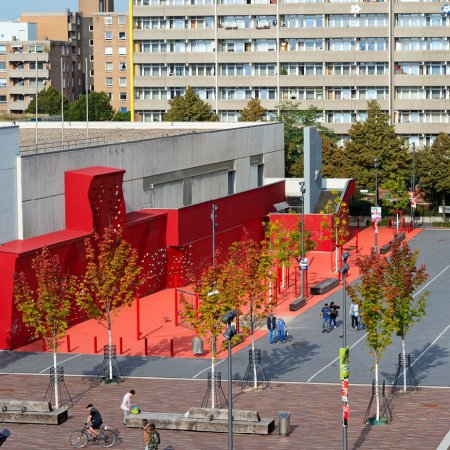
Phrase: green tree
(49, 102)
(332, 158)
(295, 119)
(398, 194)
(375, 138)
(112, 278)
(189, 108)
(99, 105)
(338, 229)
(402, 278)
(253, 112)
(120, 116)
(46, 309)
(369, 293)
(434, 170)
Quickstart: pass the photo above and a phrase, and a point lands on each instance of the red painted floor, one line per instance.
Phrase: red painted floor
(157, 311)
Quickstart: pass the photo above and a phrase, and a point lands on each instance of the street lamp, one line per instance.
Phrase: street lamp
(413, 185)
(375, 165)
(213, 217)
(229, 333)
(302, 270)
(343, 270)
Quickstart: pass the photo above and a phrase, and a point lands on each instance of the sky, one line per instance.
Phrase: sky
(11, 10)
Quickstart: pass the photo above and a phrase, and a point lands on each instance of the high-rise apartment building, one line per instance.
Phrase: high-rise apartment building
(26, 67)
(335, 55)
(111, 58)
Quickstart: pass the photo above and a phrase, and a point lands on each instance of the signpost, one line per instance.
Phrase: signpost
(375, 212)
(344, 374)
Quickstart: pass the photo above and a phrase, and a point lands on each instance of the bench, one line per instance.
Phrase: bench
(385, 248)
(206, 419)
(325, 286)
(297, 304)
(28, 411)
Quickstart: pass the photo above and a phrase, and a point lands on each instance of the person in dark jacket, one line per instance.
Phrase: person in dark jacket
(334, 312)
(272, 327)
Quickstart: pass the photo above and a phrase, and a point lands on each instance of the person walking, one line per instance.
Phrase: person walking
(154, 438)
(126, 405)
(271, 326)
(325, 314)
(353, 314)
(146, 430)
(281, 327)
(334, 312)
(357, 317)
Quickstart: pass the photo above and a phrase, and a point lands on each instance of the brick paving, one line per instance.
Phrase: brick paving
(420, 422)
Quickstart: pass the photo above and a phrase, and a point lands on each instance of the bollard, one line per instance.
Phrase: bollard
(95, 345)
(171, 348)
(68, 343)
(120, 346)
(176, 308)
(138, 318)
(146, 347)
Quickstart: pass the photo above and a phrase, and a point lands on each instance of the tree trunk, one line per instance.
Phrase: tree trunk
(213, 360)
(55, 366)
(255, 373)
(404, 364)
(110, 347)
(377, 393)
(283, 275)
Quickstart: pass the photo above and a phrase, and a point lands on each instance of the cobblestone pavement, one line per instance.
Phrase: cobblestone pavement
(420, 420)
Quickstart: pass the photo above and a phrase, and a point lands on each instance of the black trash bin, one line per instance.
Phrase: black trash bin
(284, 422)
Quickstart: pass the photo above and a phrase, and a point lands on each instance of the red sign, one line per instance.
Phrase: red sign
(345, 415)
(344, 389)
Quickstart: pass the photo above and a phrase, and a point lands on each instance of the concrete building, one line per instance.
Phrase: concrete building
(111, 58)
(65, 28)
(26, 67)
(17, 31)
(334, 55)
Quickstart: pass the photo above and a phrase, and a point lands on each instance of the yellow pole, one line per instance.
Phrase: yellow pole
(131, 59)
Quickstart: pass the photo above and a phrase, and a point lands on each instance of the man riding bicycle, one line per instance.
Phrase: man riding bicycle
(95, 418)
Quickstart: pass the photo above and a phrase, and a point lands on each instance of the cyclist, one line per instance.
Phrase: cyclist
(95, 418)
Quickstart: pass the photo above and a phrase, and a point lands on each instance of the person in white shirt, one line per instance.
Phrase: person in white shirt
(126, 405)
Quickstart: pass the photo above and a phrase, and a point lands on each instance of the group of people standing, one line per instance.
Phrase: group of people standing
(276, 326)
(329, 313)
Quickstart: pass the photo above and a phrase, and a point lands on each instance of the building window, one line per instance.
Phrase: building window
(110, 96)
(122, 35)
(2, 66)
(91, 73)
(108, 20)
(91, 58)
(108, 81)
(122, 82)
(122, 51)
(121, 20)
(123, 96)
(35, 48)
(91, 27)
(108, 51)
(231, 182)
(2, 98)
(91, 42)
(108, 35)
(122, 66)
(2, 49)
(2, 82)
(108, 66)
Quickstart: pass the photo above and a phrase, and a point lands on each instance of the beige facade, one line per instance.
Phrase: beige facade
(27, 67)
(88, 7)
(334, 55)
(111, 58)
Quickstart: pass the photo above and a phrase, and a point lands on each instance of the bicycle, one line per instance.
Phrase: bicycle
(80, 438)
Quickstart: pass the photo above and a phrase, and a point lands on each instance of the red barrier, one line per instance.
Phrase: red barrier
(295, 284)
(68, 343)
(196, 306)
(95, 345)
(120, 346)
(171, 348)
(357, 247)
(138, 318)
(146, 347)
(176, 308)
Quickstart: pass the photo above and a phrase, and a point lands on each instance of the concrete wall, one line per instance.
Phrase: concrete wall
(21, 31)
(312, 167)
(9, 137)
(166, 172)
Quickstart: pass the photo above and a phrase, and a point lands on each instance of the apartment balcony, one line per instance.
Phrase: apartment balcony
(21, 106)
(245, 80)
(28, 73)
(23, 90)
(421, 128)
(174, 34)
(246, 57)
(407, 32)
(355, 80)
(21, 57)
(350, 104)
(417, 8)
(143, 105)
(354, 56)
(421, 55)
(421, 104)
(339, 128)
(310, 56)
(248, 10)
(420, 80)
(241, 104)
(356, 32)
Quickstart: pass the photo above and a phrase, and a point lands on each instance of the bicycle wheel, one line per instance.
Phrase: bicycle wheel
(79, 439)
(107, 439)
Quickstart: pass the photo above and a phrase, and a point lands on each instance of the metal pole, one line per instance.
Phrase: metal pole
(344, 287)
(87, 98)
(62, 99)
(230, 399)
(302, 272)
(36, 103)
(413, 184)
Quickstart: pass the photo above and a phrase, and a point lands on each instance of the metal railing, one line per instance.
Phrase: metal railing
(44, 147)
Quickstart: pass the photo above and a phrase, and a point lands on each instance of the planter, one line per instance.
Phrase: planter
(383, 421)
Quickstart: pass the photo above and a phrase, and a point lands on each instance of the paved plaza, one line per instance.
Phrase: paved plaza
(304, 375)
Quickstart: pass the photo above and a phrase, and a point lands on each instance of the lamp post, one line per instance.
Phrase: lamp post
(413, 185)
(229, 333)
(343, 270)
(302, 271)
(213, 217)
(375, 165)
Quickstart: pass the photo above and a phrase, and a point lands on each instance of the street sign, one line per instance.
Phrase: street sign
(344, 362)
(303, 263)
(375, 212)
